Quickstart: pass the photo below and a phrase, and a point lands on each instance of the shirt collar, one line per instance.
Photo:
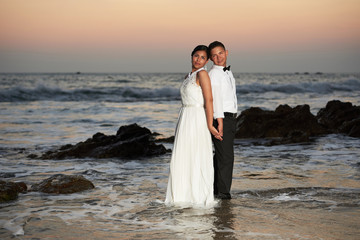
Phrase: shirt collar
(217, 66)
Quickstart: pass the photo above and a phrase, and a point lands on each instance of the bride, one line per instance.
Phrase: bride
(191, 175)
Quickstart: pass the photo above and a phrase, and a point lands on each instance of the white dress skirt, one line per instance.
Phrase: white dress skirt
(191, 175)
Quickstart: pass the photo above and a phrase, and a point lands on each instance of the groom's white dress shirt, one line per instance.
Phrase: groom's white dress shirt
(223, 90)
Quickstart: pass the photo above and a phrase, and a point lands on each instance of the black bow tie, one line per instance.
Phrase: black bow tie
(226, 68)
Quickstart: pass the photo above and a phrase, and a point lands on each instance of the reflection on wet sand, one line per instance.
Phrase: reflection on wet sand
(192, 223)
(224, 221)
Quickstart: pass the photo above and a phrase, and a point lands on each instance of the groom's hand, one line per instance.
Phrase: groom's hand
(220, 126)
(215, 132)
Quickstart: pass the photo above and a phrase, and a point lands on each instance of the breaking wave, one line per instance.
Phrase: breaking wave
(44, 92)
(124, 94)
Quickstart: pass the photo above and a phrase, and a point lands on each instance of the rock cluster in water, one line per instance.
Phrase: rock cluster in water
(131, 141)
(284, 121)
(298, 124)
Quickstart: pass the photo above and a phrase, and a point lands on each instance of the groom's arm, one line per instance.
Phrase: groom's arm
(217, 99)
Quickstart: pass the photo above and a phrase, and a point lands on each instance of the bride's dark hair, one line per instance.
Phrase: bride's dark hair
(201, 48)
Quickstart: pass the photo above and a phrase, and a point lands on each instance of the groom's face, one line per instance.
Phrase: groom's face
(218, 55)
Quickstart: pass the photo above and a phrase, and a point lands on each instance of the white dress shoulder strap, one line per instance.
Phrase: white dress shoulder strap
(192, 75)
(197, 70)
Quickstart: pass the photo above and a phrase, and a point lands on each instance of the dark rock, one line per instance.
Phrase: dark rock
(63, 184)
(9, 190)
(131, 141)
(132, 131)
(33, 156)
(293, 124)
(352, 128)
(65, 147)
(340, 117)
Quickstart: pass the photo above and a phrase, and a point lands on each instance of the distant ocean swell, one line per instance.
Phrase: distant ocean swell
(316, 87)
(123, 94)
(131, 94)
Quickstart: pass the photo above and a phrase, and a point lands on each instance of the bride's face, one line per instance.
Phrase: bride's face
(199, 59)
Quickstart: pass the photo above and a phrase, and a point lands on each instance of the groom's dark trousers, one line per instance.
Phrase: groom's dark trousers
(224, 155)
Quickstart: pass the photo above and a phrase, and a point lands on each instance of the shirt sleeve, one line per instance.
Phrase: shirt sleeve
(217, 94)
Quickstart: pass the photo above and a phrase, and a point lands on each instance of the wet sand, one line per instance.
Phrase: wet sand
(295, 209)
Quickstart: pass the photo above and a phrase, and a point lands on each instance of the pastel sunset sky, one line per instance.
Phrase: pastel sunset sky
(159, 35)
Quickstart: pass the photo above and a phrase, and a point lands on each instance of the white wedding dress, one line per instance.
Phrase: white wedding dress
(191, 175)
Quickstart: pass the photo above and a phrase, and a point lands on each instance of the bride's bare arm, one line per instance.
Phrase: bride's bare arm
(205, 84)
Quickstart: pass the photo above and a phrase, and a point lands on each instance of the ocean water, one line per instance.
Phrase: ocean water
(296, 191)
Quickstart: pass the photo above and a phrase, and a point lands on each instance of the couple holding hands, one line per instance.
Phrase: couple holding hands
(207, 117)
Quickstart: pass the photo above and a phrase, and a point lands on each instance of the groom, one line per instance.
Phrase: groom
(225, 110)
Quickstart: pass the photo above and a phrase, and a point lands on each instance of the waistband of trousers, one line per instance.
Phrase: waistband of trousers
(229, 114)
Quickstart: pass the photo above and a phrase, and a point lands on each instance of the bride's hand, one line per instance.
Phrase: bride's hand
(215, 132)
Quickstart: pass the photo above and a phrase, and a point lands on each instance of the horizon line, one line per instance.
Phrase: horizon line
(147, 72)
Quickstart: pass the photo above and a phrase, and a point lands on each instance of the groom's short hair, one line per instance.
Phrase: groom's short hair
(216, 44)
